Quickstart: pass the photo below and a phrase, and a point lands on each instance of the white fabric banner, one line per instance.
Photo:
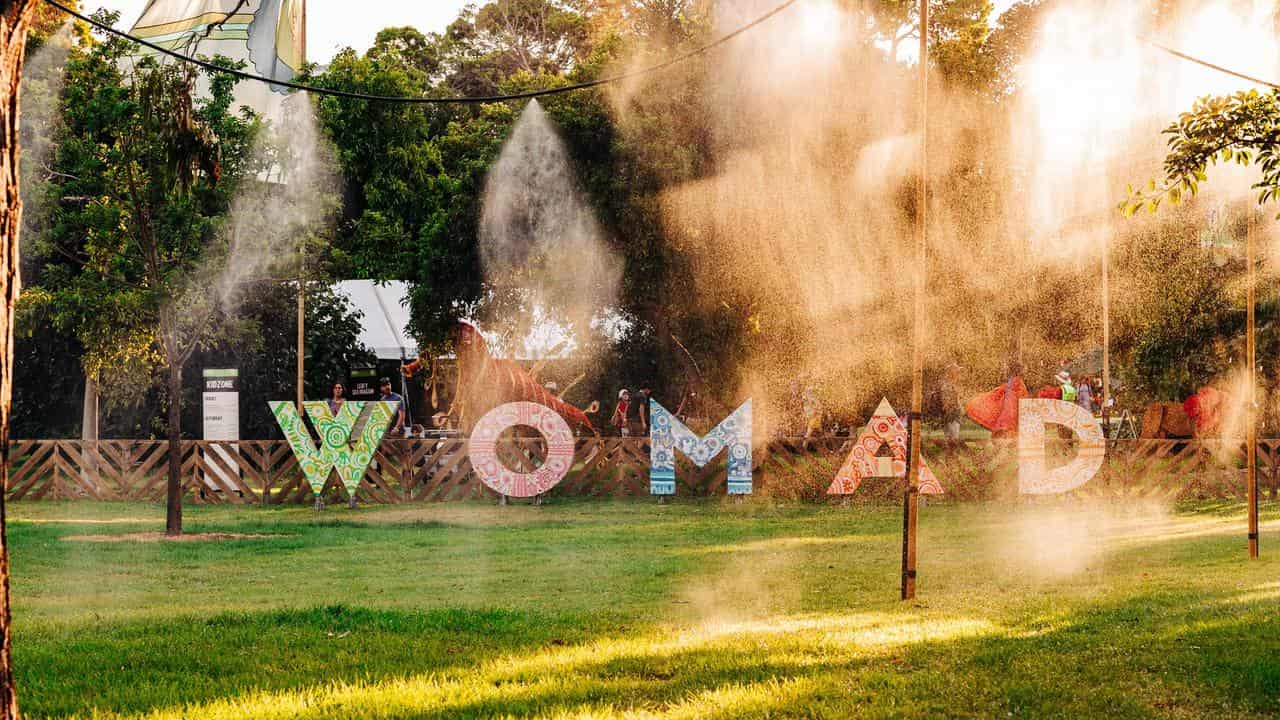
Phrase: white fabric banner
(268, 35)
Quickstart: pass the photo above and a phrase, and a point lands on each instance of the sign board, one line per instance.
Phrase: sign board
(364, 384)
(221, 404)
(221, 422)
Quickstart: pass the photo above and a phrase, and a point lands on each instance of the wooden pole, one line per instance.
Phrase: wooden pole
(1251, 349)
(304, 31)
(302, 343)
(911, 499)
(1106, 334)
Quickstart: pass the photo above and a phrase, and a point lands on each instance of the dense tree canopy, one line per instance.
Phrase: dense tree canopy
(678, 170)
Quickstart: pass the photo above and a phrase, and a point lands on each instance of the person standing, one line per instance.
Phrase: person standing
(642, 409)
(1084, 394)
(812, 408)
(619, 420)
(388, 395)
(337, 398)
(1066, 388)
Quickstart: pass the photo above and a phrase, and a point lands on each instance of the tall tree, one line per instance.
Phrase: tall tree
(145, 175)
(15, 19)
(1243, 129)
(414, 177)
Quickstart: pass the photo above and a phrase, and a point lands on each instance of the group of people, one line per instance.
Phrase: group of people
(338, 396)
(997, 410)
(1082, 391)
(631, 415)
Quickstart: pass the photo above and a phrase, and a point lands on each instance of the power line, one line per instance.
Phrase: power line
(539, 93)
(427, 100)
(1209, 65)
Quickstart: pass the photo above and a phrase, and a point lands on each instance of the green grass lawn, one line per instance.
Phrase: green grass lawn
(691, 610)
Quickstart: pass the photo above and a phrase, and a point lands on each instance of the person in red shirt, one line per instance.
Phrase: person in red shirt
(620, 420)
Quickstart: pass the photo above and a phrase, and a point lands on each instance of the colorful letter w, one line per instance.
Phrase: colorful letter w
(667, 434)
(351, 455)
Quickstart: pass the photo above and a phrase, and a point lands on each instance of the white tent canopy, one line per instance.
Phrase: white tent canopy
(384, 327)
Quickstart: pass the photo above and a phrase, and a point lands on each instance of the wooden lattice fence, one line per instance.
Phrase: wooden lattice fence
(265, 472)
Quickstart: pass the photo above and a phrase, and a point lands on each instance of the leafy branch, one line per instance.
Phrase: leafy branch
(1243, 128)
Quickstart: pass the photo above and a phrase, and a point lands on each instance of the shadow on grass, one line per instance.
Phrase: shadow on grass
(1174, 655)
(1168, 654)
(133, 667)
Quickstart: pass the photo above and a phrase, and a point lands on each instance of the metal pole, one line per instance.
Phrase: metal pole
(911, 500)
(1251, 452)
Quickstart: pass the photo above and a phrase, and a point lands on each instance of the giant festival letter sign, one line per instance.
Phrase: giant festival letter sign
(865, 462)
(483, 449)
(1034, 476)
(350, 455)
(667, 435)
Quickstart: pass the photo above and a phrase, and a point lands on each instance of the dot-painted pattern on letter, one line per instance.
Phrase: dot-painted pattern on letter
(1034, 476)
(483, 449)
(885, 428)
(667, 435)
(338, 450)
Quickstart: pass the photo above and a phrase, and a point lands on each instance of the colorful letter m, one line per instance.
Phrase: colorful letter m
(667, 434)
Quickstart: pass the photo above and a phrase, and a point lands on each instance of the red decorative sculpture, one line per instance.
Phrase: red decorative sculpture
(486, 382)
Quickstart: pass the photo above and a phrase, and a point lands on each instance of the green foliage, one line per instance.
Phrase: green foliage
(130, 258)
(48, 382)
(1196, 333)
(1243, 128)
(265, 351)
(414, 176)
(1011, 40)
(144, 175)
(1181, 319)
(958, 32)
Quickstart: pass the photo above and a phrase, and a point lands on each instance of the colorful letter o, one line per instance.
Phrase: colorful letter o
(483, 449)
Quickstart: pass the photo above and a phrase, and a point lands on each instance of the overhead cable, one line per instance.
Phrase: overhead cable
(426, 100)
(1209, 65)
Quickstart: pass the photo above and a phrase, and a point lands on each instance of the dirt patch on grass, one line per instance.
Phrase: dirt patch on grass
(161, 537)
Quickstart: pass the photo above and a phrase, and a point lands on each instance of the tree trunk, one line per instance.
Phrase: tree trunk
(89, 414)
(89, 431)
(15, 16)
(173, 513)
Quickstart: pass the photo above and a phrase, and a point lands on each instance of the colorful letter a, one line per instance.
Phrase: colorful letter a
(884, 429)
